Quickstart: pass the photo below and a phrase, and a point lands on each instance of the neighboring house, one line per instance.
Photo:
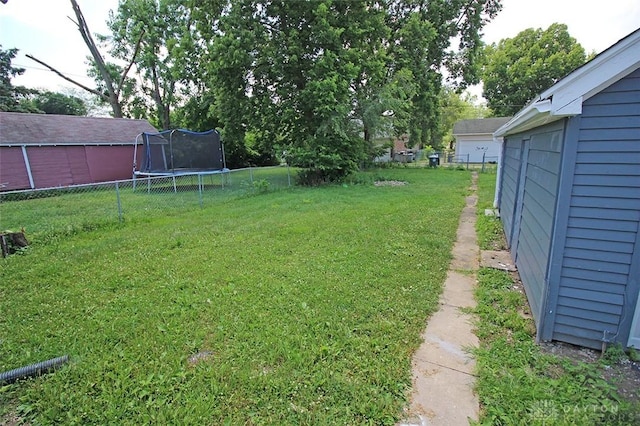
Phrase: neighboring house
(474, 140)
(400, 152)
(568, 190)
(45, 150)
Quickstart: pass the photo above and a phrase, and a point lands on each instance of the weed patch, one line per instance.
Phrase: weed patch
(519, 384)
(488, 228)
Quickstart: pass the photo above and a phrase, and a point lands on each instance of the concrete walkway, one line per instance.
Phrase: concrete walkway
(443, 370)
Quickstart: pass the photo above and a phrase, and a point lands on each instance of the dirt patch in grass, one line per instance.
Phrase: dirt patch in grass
(11, 419)
(624, 374)
(389, 183)
(199, 357)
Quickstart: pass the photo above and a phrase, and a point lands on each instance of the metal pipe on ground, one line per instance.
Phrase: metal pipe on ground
(36, 369)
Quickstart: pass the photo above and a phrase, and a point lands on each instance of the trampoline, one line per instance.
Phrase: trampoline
(178, 152)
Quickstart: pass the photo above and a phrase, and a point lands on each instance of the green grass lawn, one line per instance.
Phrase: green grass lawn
(304, 305)
(47, 214)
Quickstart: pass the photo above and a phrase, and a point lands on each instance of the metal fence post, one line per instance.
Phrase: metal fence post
(200, 189)
(289, 175)
(119, 204)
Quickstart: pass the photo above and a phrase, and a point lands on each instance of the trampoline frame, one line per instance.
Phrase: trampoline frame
(173, 173)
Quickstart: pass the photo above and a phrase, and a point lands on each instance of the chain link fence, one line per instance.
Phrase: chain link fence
(58, 211)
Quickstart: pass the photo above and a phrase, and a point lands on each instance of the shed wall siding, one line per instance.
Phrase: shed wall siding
(54, 166)
(49, 166)
(13, 171)
(108, 163)
(529, 188)
(510, 173)
(604, 219)
(78, 164)
(538, 210)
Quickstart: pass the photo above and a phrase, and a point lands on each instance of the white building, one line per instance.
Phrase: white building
(475, 142)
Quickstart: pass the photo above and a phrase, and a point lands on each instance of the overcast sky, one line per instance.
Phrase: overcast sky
(42, 28)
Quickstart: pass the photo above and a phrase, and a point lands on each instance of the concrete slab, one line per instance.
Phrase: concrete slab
(497, 259)
(447, 339)
(442, 396)
(458, 290)
(492, 212)
(450, 399)
(465, 250)
(443, 368)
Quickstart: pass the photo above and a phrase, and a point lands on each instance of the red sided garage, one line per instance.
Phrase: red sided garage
(48, 151)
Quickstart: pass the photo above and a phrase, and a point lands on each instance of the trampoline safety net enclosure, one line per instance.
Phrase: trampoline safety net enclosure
(177, 152)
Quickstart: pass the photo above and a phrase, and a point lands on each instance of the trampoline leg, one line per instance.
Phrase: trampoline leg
(174, 184)
(148, 184)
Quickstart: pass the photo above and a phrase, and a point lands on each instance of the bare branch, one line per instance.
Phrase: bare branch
(133, 58)
(88, 89)
(69, 18)
(114, 100)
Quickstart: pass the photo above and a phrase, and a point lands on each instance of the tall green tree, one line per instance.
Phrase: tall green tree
(315, 78)
(326, 144)
(12, 97)
(231, 61)
(58, 103)
(157, 34)
(519, 68)
(423, 34)
(454, 107)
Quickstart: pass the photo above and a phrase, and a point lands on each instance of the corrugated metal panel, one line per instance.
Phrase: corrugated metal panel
(49, 166)
(595, 298)
(108, 163)
(77, 164)
(13, 171)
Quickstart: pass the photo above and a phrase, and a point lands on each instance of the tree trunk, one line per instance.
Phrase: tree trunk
(10, 242)
(114, 100)
(163, 110)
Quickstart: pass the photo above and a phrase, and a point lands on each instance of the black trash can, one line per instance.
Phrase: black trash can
(434, 160)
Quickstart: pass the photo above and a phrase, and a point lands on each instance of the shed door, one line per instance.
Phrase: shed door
(534, 225)
(517, 211)
(510, 179)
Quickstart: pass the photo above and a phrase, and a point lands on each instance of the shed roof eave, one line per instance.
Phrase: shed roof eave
(527, 118)
(473, 134)
(565, 98)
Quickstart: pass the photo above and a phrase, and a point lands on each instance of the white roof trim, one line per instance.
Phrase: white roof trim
(565, 98)
(474, 134)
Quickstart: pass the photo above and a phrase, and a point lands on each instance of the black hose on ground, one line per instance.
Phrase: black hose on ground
(32, 370)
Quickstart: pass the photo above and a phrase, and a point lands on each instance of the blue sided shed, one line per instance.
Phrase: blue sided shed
(568, 190)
